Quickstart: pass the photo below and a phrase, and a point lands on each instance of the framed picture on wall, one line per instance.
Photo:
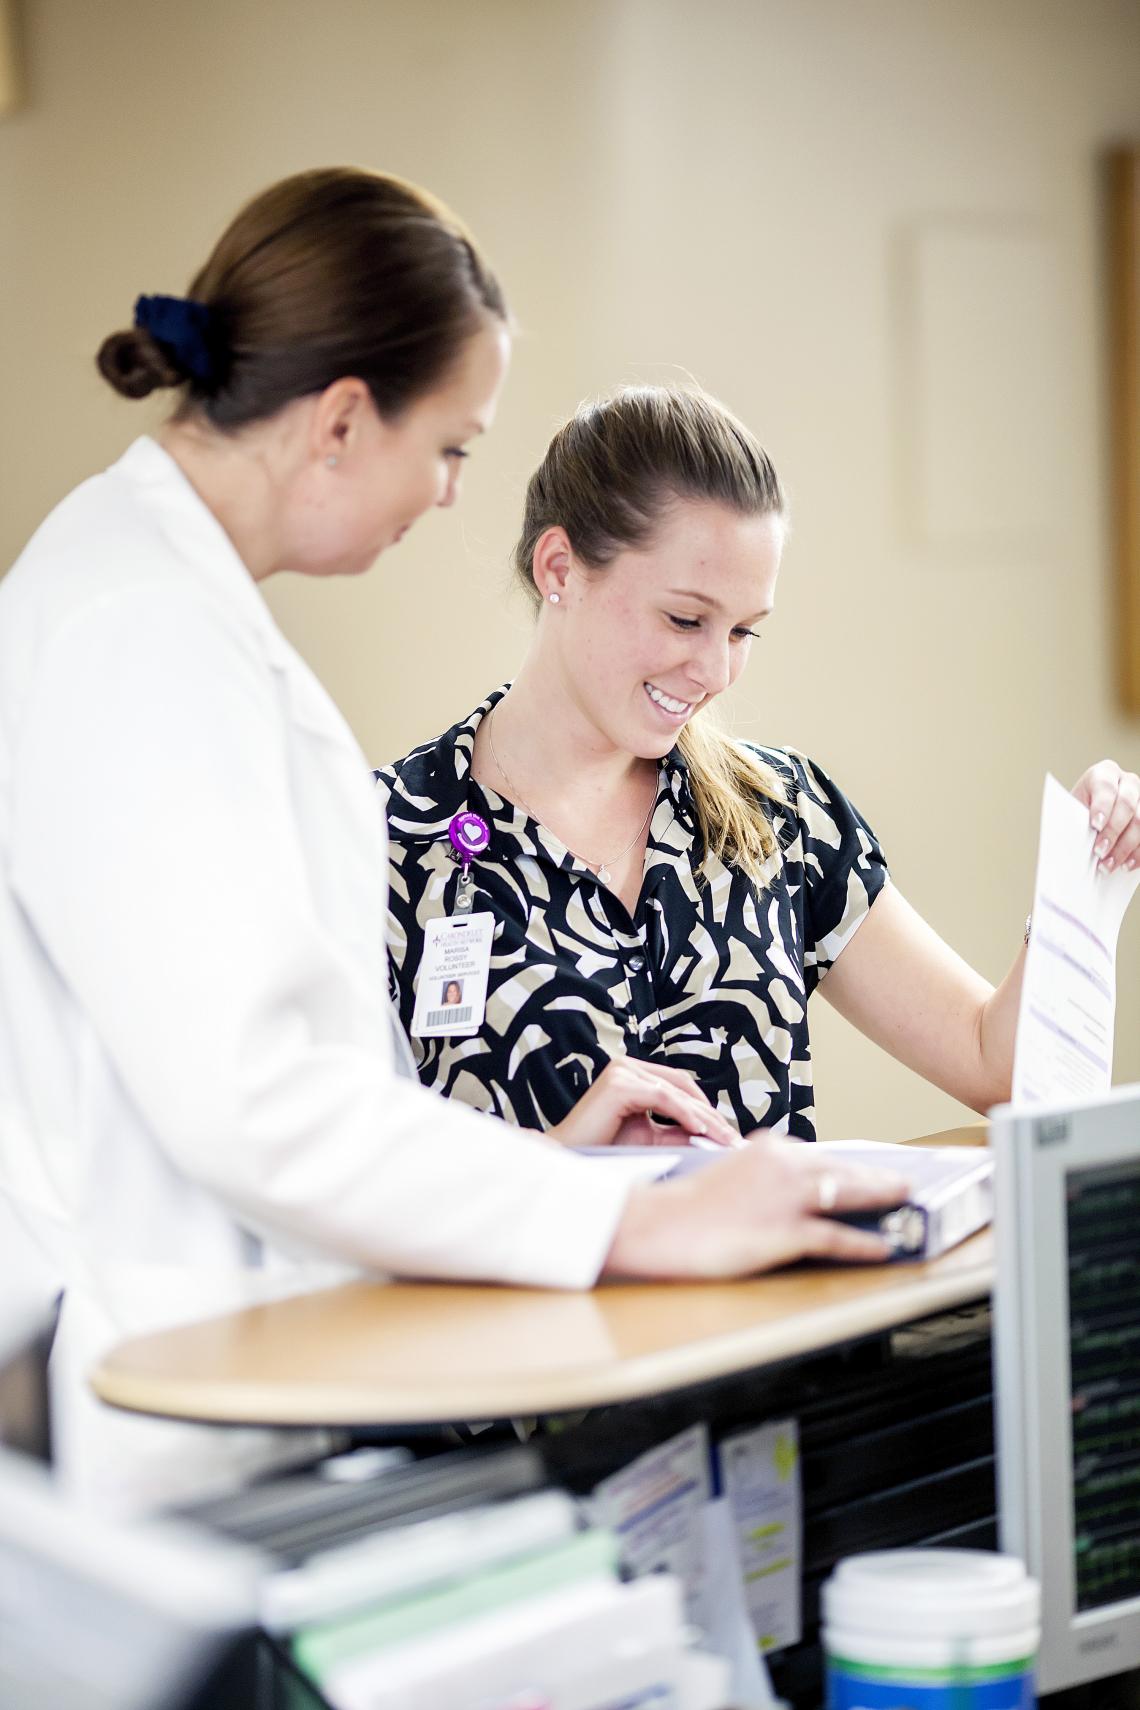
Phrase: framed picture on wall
(1124, 394)
(11, 88)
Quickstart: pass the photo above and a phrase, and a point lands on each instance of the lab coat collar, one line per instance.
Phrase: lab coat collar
(197, 536)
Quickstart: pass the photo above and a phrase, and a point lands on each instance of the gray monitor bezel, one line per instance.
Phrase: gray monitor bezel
(1035, 1152)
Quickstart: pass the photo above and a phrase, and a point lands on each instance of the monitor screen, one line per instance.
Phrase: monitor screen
(1103, 1228)
(1067, 1375)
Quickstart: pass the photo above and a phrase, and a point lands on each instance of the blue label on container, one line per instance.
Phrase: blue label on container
(897, 1689)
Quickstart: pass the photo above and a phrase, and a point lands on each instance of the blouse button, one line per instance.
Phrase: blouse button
(636, 963)
(650, 1038)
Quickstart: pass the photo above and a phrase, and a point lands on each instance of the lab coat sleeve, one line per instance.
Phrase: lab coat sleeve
(156, 853)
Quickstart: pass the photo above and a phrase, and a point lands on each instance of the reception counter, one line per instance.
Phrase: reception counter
(389, 1354)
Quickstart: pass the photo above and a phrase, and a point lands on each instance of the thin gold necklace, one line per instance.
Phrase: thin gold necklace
(602, 869)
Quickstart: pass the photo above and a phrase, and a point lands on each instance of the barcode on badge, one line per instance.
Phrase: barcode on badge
(451, 1014)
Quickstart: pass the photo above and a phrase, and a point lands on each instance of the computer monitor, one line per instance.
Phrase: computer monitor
(1067, 1375)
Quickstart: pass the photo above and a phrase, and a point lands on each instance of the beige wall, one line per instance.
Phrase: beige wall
(871, 227)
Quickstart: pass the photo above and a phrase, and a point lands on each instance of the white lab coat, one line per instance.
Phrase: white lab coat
(198, 1104)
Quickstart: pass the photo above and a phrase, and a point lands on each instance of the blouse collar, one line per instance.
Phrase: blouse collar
(433, 783)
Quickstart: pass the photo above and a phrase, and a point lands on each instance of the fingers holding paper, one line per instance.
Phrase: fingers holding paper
(1112, 797)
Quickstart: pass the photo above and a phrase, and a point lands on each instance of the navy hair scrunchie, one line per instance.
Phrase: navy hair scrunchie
(186, 329)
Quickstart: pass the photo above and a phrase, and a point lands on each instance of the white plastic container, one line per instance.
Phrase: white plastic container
(931, 1630)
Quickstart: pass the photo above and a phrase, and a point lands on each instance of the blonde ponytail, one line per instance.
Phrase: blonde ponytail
(726, 782)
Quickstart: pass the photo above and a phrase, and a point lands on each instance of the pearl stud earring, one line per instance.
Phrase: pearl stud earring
(554, 598)
(331, 460)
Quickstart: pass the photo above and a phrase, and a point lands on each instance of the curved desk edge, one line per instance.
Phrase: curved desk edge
(400, 1354)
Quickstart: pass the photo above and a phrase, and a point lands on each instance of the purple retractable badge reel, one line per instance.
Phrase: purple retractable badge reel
(469, 835)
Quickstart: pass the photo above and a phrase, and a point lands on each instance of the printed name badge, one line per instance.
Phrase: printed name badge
(451, 988)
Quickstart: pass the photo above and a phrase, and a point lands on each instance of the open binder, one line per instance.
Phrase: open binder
(952, 1187)
(952, 1195)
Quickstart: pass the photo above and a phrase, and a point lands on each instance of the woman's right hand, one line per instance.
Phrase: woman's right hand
(615, 1110)
(760, 1208)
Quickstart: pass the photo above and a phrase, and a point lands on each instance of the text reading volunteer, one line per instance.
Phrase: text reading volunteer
(199, 1096)
(655, 887)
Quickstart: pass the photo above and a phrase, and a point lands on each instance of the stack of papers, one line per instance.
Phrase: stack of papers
(402, 1593)
(587, 1646)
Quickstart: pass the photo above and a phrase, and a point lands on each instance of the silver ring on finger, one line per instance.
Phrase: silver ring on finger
(827, 1190)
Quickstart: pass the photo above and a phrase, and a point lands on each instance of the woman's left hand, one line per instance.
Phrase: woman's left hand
(1113, 800)
(615, 1111)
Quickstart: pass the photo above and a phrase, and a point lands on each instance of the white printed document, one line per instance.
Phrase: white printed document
(654, 1505)
(1065, 1024)
(761, 1477)
(725, 1623)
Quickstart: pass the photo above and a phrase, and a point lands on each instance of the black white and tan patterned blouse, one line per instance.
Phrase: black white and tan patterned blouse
(709, 975)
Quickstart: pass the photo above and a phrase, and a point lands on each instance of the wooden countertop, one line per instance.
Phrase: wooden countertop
(401, 1353)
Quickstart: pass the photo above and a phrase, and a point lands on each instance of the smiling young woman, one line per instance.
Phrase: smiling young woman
(657, 889)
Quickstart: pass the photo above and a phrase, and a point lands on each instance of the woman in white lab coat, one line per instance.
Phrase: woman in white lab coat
(200, 1097)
